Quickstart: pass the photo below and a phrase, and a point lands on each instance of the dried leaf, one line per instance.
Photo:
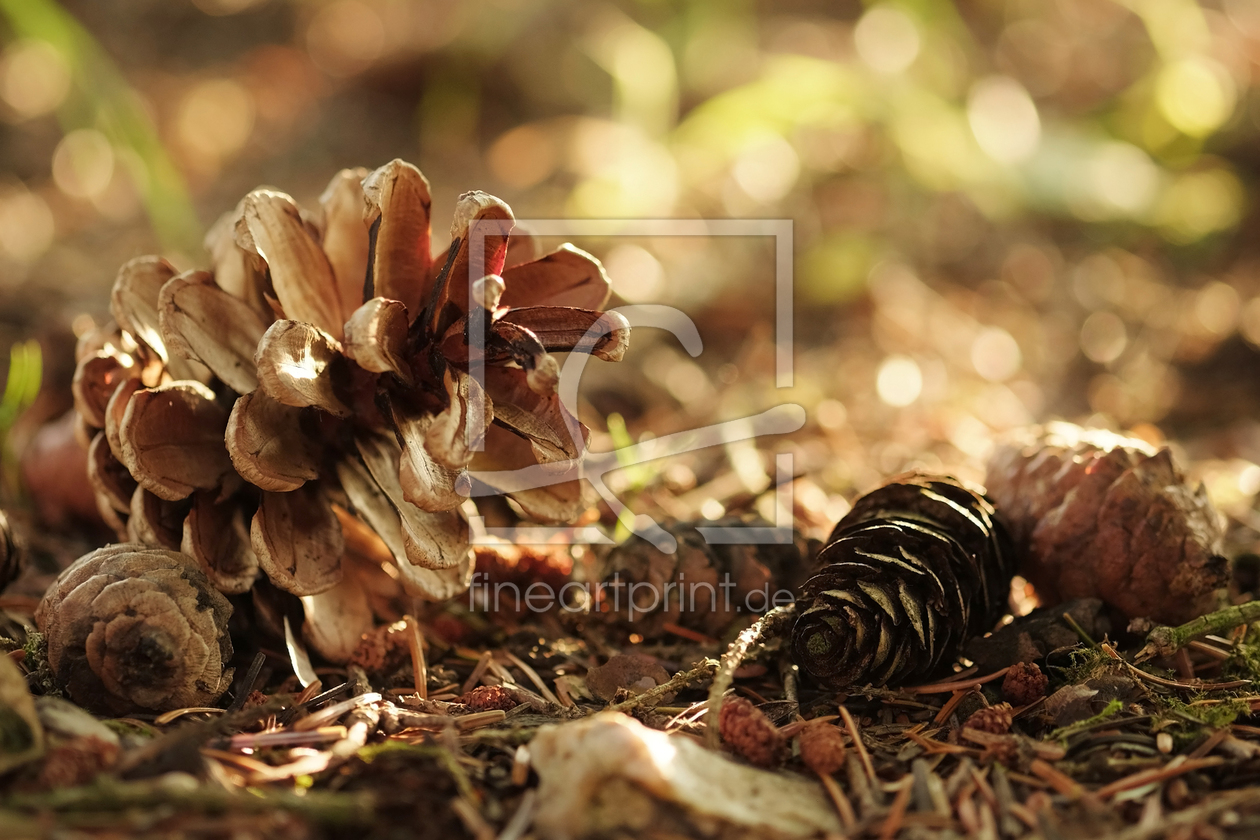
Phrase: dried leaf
(134, 299)
(376, 337)
(298, 540)
(267, 445)
(336, 619)
(201, 321)
(562, 329)
(298, 365)
(172, 439)
(271, 226)
(215, 536)
(109, 478)
(345, 239)
(156, 521)
(398, 205)
(693, 790)
(567, 276)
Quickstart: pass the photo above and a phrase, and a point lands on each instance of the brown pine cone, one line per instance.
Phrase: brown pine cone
(323, 371)
(995, 719)
(822, 747)
(1097, 515)
(136, 627)
(1024, 684)
(749, 733)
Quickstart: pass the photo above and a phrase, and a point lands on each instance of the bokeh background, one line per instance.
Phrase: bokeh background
(1004, 211)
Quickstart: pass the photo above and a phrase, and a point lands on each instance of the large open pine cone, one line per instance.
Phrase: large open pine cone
(914, 570)
(315, 387)
(1097, 515)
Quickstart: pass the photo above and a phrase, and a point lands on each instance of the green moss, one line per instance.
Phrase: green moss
(1087, 664)
(1244, 662)
(1213, 716)
(36, 661)
(1110, 710)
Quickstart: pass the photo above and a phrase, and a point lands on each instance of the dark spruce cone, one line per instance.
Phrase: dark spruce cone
(914, 570)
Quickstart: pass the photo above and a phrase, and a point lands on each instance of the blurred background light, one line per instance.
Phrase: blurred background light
(899, 381)
(345, 37)
(1124, 178)
(767, 170)
(1103, 337)
(26, 225)
(995, 355)
(1195, 94)
(887, 39)
(636, 275)
(215, 120)
(34, 78)
(83, 163)
(1004, 119)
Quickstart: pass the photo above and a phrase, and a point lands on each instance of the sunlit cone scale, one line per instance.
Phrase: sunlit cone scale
(320, 371)
(914, 570)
